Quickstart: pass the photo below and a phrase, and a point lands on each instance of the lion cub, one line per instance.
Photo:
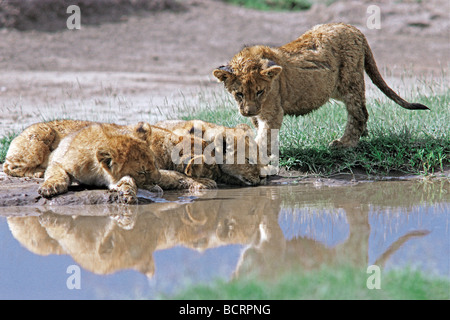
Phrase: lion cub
(326, 62)
(184, 154)
(235, 149)
(105, 156)
(29, 153)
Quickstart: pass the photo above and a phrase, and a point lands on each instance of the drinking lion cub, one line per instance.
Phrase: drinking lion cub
(326, 62)
(235, 149)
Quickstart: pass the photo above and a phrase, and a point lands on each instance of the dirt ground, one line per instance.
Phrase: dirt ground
(135, 69)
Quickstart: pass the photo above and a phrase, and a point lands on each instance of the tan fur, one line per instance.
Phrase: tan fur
(192, 161)
(103, 155)
(326, 62)
(29, 153)
(234, 168)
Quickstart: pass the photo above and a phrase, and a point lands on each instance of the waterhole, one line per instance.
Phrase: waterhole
(119, 251)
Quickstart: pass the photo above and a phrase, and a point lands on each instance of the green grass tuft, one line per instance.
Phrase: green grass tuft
(5, 141)
(326, 283)
(277, 5)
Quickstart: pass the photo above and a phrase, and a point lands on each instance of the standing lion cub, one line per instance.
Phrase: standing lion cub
(326, 62)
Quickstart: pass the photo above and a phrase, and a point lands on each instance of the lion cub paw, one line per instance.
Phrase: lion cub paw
(126, 190)
(342, 144)
(52, 188)
(39, 174)
(202, 183)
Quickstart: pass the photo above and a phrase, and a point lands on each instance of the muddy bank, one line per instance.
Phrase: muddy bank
(16, 192)
(24, 192)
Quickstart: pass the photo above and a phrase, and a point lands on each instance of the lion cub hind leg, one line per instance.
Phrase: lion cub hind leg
(357, 117)
(29, 152)
(57, 181)
(126, 189)
(18, 168)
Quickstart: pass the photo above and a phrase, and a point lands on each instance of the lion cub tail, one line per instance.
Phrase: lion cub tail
(372, 70)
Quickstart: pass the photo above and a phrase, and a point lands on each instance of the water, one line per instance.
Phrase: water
(160, 248)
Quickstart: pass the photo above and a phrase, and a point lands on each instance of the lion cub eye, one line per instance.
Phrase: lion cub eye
(259, 93)
(239, 95)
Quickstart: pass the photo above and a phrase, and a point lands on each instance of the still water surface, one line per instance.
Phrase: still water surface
(160, 248)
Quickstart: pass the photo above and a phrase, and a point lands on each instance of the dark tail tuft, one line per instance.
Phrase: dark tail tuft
(417, 106)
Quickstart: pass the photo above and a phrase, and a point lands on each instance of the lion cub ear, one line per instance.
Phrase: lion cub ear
(223, 73)
(271, 72)
(194, 167)
(220, 144)
(142, 131)
(224, 142)
(247, 130)
(106, 158)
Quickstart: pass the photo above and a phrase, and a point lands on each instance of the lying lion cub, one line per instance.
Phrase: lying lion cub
(29, 153)
(103, 155)
(326, 62)
(238, 166)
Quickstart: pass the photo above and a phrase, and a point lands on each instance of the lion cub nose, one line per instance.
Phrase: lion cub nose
(244, 111)
(247, 111)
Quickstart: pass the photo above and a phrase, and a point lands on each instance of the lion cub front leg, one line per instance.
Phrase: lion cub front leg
(267, 134)
(57, 181)
(126, 189)
(176, 180)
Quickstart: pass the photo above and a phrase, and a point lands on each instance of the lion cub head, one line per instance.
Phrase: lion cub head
(129, 155)
(249, 77)
(240, 163)
(234, 150)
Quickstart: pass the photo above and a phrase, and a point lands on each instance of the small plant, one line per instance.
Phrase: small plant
(5, 141)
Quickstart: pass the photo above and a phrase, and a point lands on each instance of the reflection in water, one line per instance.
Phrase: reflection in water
(106, 239)
(105, 244)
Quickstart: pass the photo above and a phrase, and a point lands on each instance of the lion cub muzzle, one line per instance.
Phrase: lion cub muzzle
(248, 110)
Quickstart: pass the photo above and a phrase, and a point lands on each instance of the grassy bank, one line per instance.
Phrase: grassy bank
(327, 283)
(399, 140)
